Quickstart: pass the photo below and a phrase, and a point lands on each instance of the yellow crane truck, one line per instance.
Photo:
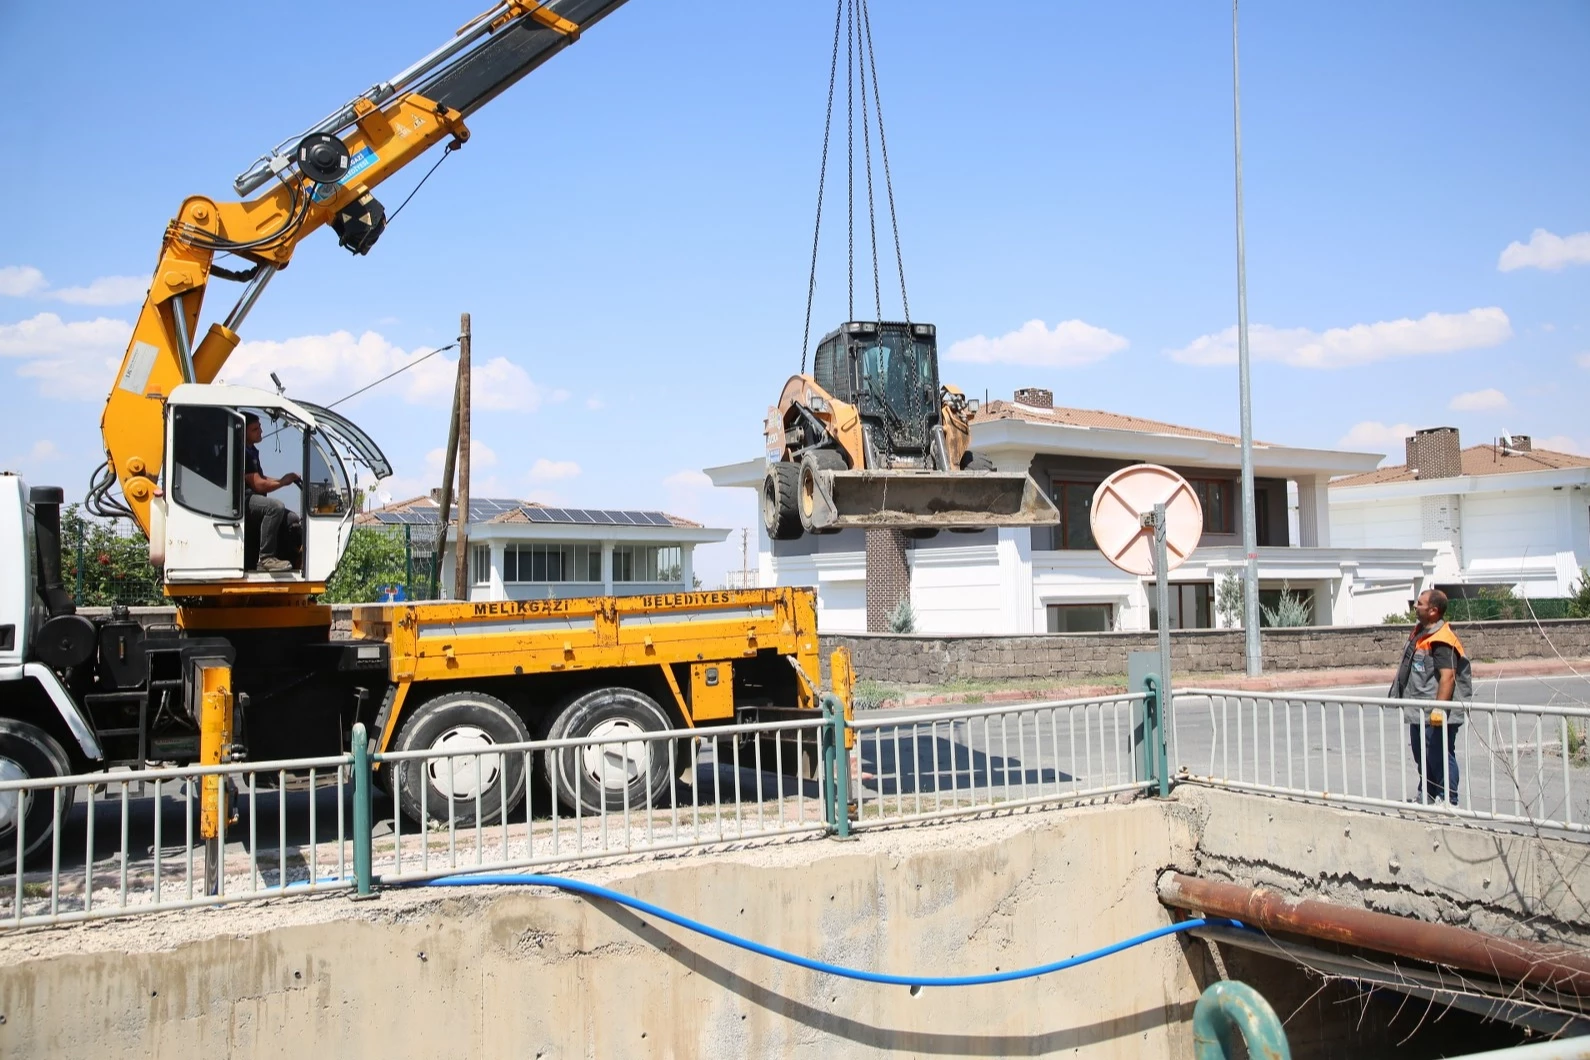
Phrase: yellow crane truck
(250, 665)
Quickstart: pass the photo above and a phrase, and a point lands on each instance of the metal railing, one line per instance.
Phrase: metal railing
(1508, 763)
(133, 842)
(730, 785)
(129, 842)
(973, 760)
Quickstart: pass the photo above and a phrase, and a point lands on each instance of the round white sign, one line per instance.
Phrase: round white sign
(1119, 505)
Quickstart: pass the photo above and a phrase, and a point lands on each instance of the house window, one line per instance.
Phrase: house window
(1075, 501)
(1081, 618)
(647, 563)
(480, 564)
(1216, 495)
(1261, 517)
(552, 563)
(1189, 606)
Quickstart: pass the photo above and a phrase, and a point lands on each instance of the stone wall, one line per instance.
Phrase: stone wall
(909, 659)
(926, 660)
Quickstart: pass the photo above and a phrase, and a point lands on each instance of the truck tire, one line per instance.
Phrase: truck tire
(780, 511)
(27, 752)
(460, 722)
(813, 463)
(611, 776)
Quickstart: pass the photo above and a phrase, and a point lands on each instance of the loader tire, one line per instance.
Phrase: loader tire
(780, 511)
(971, 461)
(813, 463)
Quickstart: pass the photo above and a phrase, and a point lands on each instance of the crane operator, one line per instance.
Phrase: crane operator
(271, 513)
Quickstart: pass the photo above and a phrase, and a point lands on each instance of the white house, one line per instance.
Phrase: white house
(1028, 580)
(520, 550)
(1503, 514)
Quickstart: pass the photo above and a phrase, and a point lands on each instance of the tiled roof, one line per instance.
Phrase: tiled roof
(1476, 460)
(1115, 421)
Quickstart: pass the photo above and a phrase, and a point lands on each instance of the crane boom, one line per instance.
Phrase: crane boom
(325, 176)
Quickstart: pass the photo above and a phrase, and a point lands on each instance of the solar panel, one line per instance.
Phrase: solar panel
(538, 515)
(658, 519)
(559, 515)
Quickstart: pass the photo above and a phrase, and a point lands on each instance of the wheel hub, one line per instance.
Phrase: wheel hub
(10, 801)
(614, 765)
(470, 772)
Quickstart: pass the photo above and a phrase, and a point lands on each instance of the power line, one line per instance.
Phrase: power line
(389, 375)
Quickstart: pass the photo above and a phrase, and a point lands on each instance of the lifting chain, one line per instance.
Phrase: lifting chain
(855, 16)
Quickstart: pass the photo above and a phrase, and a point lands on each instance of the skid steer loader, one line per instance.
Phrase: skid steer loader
(871, 439)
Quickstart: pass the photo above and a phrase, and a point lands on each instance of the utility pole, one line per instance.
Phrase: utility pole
(1250, 548)
(445, 513)
(461, 560)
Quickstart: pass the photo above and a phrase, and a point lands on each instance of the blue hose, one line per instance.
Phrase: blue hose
(593, 891)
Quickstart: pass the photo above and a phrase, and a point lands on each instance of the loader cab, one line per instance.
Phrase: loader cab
(209, 526)
(890, 372)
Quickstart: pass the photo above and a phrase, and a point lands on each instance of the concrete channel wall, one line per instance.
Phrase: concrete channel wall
(908, 659)
(538, 974)
(498, 972)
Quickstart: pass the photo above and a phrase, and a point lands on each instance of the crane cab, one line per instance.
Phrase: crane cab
(218, 520)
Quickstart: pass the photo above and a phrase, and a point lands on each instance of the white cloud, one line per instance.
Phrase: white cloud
(480, 455)
(1355, 345)
(1546, 250)
(1479, 401)
(20, 281)
(544, 470)
(688, 480)
(106, 290)
(1374, 436)
(1561, 443)
(1584, 360)
(25, 281)
(75, 360)
(327, 367)
(41, 452)
(595, 403)
(1069, 344)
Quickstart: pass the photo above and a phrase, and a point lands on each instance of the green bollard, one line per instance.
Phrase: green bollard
(362, 825)
(838, 772)
(1229, 1010)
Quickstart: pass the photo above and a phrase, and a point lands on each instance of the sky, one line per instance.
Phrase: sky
(630, 227)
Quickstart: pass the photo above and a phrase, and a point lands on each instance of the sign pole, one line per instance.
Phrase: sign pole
(1162, 595)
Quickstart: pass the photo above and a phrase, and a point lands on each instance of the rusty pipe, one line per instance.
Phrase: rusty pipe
(1511, 960)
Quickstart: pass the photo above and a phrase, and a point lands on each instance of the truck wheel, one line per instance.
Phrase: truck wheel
(813, 463)
(780, 512)
(27, 752)
(611, 776)
(460, 722)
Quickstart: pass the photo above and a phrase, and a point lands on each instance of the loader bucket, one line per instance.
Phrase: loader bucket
(929, 499)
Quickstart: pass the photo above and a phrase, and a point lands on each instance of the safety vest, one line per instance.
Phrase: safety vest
(1424, 681)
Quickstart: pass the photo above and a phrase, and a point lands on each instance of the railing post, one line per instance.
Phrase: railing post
(1155, 710)
(1143, 678)
(362, 824)
(836, 768)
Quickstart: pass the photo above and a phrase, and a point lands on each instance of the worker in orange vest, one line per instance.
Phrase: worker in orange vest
(1435, 668)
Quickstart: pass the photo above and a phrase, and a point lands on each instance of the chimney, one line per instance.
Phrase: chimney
(1434, 453)
(1521, 444)
(1035, 397)
(436, 495)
